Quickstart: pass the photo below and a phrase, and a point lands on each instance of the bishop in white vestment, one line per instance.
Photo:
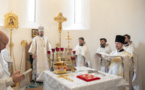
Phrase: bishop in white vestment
(98, 62)
(130, 47)
(39, 47)
(82, 54)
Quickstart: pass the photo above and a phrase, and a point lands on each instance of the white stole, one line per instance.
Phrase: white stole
(39, 47)
(83, 55)
(97, 60)
(4, 75)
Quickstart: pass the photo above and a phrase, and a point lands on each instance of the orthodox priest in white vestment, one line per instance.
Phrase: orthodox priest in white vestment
(99, 63)
(5, 80)
(5, 75)
(130, 47)
(6, 56)
(6, 60)
(121, 62)
(82, 54)
(39, 47)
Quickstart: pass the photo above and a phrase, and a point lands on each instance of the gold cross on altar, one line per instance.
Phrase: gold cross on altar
(60, 19)
(65, 77)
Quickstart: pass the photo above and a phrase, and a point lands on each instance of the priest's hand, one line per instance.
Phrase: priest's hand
(33, 56)
(86, 64)
(17, 77)
(99, 55)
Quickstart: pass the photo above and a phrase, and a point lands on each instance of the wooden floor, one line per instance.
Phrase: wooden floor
(40, 88)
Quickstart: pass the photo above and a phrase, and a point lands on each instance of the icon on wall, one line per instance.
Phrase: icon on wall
(34, 33)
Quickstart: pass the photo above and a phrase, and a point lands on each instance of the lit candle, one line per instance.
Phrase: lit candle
(57, 49)
(53, 50)
(48, 52)
(62, 49)
(74, 52)
(72, 58)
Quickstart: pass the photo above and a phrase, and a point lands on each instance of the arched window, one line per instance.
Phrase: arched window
(32, 11)
(77, 11)
(80, 20)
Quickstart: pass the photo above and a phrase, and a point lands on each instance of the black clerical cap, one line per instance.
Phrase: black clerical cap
(120, 38)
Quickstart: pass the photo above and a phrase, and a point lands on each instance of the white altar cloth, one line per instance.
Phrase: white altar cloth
(107, 82)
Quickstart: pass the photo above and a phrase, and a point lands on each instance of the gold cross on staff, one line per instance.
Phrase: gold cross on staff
(60, 19)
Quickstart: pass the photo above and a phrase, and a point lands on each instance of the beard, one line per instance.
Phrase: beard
(41, 35)
(81, 44)
(102, 45)
(125, 42)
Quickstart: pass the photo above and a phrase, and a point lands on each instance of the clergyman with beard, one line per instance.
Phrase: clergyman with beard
(98, 62)
(38, 49)
(82, 53)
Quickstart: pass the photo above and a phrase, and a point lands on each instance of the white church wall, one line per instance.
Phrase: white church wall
(107, 19)
(3, 10)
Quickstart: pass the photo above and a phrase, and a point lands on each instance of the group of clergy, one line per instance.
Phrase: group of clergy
(121, 62)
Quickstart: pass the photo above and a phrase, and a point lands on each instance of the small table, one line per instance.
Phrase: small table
(107, 82)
